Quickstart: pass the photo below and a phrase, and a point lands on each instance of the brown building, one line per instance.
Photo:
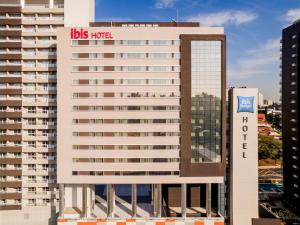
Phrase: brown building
(290, 114)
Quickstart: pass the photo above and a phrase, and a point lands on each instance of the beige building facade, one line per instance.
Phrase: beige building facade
(28, 37)
(141, 103)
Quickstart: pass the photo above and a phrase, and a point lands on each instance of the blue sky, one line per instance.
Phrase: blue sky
(253, 29)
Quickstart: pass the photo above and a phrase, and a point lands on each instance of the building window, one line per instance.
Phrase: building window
(160, 42)
(134, 55)
(134, 42)
(206, 101)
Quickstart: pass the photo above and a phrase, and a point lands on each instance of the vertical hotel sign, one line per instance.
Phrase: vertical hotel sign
(243, 156)
(245, 106)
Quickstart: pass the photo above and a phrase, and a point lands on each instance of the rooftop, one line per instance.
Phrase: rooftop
(145, 24)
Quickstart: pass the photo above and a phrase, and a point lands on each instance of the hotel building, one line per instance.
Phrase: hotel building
(290, 115)
(97, 108)
(28, 37)
(142, 103)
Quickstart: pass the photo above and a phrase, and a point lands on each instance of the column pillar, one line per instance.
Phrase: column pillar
(208, 200)
(110, 200)
(159, 200)
(154, 188)
(183, 200)
(92, 187)
(89, 200)
(152, 193)
(23, 3)
(61, 199)
(133, 199)
(84, 201)
(51, 4)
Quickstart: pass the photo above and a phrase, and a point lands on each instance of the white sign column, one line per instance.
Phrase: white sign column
(243, 156)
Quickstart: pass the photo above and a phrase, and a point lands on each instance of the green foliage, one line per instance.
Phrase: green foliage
(268, 147)
(275, 120)
(285, 214)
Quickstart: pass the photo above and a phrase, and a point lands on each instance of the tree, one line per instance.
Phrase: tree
(268, 147)
(285, 214)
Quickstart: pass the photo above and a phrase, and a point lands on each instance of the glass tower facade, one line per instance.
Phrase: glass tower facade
(206, 101)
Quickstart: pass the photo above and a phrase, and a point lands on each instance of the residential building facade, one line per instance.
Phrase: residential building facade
(28, 37)
(290, 114)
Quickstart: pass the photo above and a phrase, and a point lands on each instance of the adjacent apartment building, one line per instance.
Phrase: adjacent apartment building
(142, 103)
(138, 104)
(290, 114)
(28, 38)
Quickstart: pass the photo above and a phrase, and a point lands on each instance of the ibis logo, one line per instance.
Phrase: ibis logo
(82, 33)
(245, 104)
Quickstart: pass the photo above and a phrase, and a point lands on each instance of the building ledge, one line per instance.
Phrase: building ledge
(140, 221)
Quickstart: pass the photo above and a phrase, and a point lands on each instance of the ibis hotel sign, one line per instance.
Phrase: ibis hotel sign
(82, 33)
(243, 155)
(245, 106)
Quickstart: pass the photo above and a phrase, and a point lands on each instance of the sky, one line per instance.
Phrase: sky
(253, 29)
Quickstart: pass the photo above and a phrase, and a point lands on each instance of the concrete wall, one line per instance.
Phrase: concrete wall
(79, 13)
(243, 160)
(73, 196)
(29, 216)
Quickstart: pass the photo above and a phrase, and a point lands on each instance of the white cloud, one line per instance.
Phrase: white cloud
(222, 18)
(292, 15)
(260, 61)
(161, 4)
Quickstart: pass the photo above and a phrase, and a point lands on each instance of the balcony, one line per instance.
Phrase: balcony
(46, 65)
(14, 3)
(45, 30)
(60, 6)
(9, 203)
(43, 18)
(44, 42)
(27, 65)
(46, 89)
(31, 181)
(57, 18)
(30, 77)
(10, 40)
(29, 42)
(29, 30)
(46, 53)
(9, 28)
(37, 6)
(28, 18)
